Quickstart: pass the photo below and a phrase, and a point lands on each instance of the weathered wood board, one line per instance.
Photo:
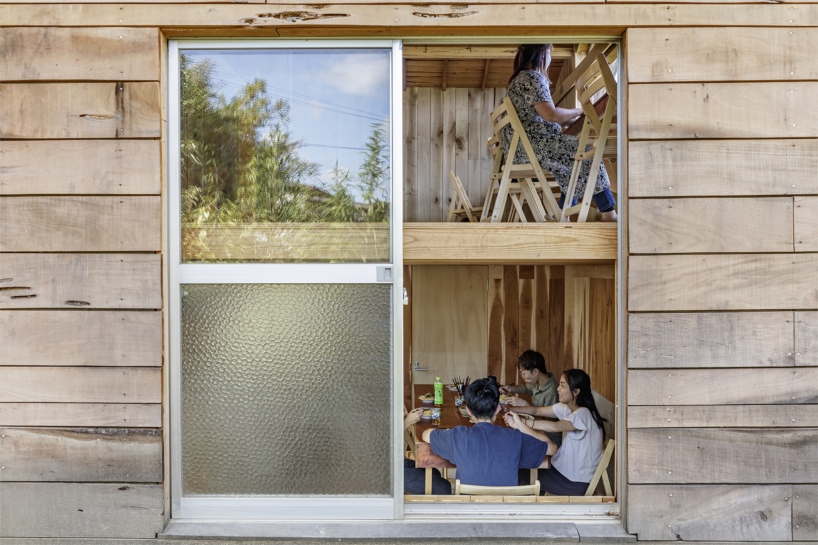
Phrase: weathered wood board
(722, 282)
(76, 167)
(722, 456)
(806, 224)
(81, 510)
(723, 110)
(732, 339)
(806, 338)
(81, 281)
(701, 168)
(81, 454)
(131, 415)
(805, 513)
(80, 385)
(768, 386)
(724, 416)
(721, 54)
(80, 224)
(674, 226)
(79, 110)
(710, 513)
(66, 338)
(119, 54)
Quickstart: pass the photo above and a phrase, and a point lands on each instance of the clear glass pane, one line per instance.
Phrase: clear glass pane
(286, 389)
(285, 155)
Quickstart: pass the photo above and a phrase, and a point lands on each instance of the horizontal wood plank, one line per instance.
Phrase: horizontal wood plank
(31, 54)
(81, 454)
(721, 54)
(80, 385)
(722, 456)
(79, 110)
(723, 110)
(805, 513)
(806, 224)
(732, 339)
(81, 510)
(673, 226)
(81, 281)
(806, 338)
(710, 513)
(722, 282)
(724, 416)
(132, 415)
(77, 167)
(66, 338)
(701, 168)
(722, 386)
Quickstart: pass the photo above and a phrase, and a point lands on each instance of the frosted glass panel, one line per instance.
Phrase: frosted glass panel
(286, 389)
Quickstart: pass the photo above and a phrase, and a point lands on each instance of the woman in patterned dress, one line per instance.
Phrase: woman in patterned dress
(529, 91)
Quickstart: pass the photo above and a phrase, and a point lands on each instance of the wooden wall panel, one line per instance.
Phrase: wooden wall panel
(674, 226)
(734, 339)
(80, 385)
(701, 168)
(721, 54)
(79, 110)
(496, 311)
(724, 110)
(76, 167)
(80, 224)
(410, 150)
(806, 338)
(724, 416)
(722, 282)
(723, 386)
(81, 281)
(131, 415)
(722, 456)
(602, 358)
(511, 324)
(32, 54)
(81, 510)
(805, 513)
(806, 224)
(87, 454)
(66, 338)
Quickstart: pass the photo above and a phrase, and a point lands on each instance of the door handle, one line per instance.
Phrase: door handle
(416, 368)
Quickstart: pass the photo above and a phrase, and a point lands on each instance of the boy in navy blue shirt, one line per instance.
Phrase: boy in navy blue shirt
(485, 454)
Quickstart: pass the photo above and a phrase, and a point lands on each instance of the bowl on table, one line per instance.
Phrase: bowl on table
(427, 414)
(427, 398)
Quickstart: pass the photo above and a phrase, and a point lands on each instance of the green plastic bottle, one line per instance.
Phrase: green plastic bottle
(438, 393)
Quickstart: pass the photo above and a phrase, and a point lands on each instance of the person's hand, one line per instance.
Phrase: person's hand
(505, 389)
(413, 417)
(513, 420)
(516, 401)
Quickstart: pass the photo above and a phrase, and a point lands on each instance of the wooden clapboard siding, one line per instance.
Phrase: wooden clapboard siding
(410, 150)
(81, 510)
(80, 385)
(806, 338)
(722, 282)
(735, 339)
(722, 456)
(68, 338)
(666, 226)
(81, 454)
(805, 513)
(76, 167)
(723, 386)
(721, 54)
(79, 224)
(701, 168)
(806, 224)
(130, 415)
(35, 54)
(79, 110)
(723, 110)
(724, 416)
(81, 281)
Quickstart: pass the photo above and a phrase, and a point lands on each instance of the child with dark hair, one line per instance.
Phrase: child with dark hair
(485, 454)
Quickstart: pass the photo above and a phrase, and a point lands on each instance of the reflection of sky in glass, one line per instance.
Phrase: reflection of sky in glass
(335, 96)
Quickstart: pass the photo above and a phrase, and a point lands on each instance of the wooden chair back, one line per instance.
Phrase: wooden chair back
(474, 490)
(459, 196)
(409, 442)
(601, 470)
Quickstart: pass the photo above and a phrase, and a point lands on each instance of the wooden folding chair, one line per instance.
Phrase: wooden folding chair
(474, 490)
(465, 207)
(601, 470)
(409, 443)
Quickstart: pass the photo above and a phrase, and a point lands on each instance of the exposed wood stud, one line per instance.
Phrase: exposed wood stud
(485, 74)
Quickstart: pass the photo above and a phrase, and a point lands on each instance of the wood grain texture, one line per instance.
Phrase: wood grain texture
(495, 322)
(577, 326)
(76, 167)
(81, 510)
(601, 365)
(65, 338)
(132, 415)
(81, 281)
(81, 454)
(410, 150)
(806, 224)
(733, 339)
(722, 54)
(722, 456)
(80, 385)
(724, 110)
(673, 226)
(541, 314)
(408, 400)
(805, 513)
(511, 325)
(724, 416)
(707, 513)
(806, 338)
(79, 110)
(424, 151)
(555, 361)
(696, 168)
(722, 282)
(35, 54)
(723, 386)
(79, 224)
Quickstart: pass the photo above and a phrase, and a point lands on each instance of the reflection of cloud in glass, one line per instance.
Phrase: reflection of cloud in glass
(359, 74)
